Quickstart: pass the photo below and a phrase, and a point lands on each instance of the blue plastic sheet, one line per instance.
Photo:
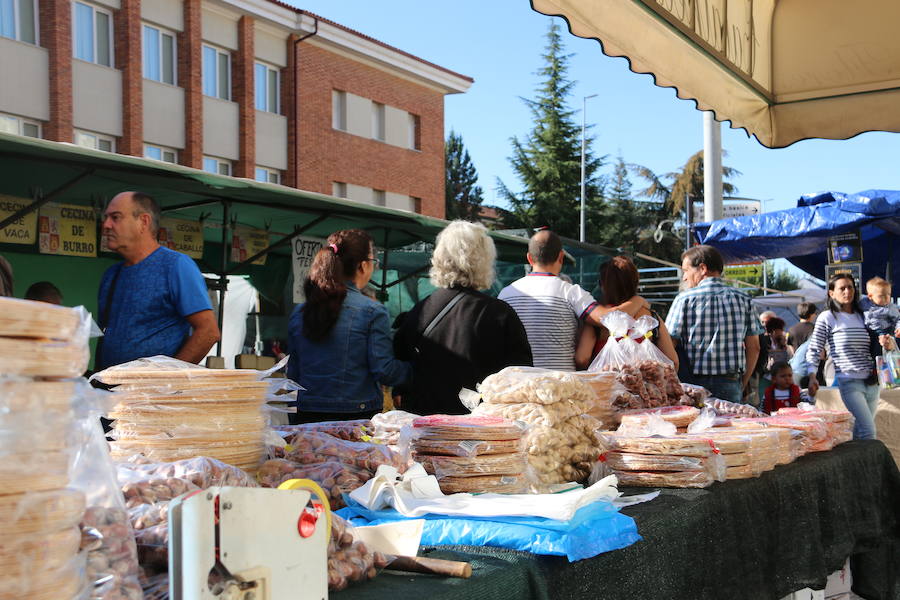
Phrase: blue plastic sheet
(801, 234)
(595, 528)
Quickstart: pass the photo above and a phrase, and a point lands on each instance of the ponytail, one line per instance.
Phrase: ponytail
(325, 287)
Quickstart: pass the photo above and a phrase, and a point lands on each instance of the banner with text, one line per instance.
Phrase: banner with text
(67, 230)
(302, 253)
(182, 236)
(24, 229)
(246, 242)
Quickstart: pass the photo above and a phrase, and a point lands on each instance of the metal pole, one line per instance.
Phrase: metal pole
(687, 210)
(223, 278)
(765, 264)
(712, 168)
(581, 235)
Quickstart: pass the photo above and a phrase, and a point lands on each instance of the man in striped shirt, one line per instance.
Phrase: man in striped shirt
(715, 326)
(552, 309)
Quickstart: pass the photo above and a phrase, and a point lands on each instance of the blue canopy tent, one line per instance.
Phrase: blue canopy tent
(801, 234)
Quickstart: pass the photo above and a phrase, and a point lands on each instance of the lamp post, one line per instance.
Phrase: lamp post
(584, 100)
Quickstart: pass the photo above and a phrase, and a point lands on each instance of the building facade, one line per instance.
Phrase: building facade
(248, 88)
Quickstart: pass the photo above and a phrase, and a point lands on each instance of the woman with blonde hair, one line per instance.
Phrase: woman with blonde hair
(458, 335)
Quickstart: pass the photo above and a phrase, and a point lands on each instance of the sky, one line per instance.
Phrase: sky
(499, 44)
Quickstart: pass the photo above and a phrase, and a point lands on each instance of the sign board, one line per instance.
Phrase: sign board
(852, 269)
(730, 209)
(303, 250)
(744, 272)
(246, 242)
(67, 230)
(845, 248)
(182, 236)
(24, 229)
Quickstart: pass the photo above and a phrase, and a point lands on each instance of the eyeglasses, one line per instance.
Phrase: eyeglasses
(375, 262)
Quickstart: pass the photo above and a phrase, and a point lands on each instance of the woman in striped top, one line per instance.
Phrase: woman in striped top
(843, 330)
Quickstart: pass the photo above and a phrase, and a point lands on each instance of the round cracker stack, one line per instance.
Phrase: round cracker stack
(39, 515)
(170, 414)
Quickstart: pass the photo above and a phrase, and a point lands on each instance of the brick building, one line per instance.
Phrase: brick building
(249, 88)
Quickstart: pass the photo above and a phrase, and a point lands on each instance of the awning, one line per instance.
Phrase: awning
(783, 70)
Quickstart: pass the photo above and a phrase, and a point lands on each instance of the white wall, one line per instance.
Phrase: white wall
(396, 127)
(24, 88)
(271, 140)
(270, 48)
(401, 201)
(220, 128)
(96, 98)
(359, 115)
(166, 13)
(163, 114)
(219, 29)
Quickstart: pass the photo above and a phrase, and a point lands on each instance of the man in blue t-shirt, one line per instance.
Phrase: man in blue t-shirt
(155, 302)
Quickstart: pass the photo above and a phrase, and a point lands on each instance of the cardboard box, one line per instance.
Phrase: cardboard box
(215, 362)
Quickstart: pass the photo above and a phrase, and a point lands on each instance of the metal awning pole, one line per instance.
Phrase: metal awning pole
(39, 202)
(223, 277)
(384, 266)
(281, 242)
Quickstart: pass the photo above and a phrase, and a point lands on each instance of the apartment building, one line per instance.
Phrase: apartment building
(247, 88)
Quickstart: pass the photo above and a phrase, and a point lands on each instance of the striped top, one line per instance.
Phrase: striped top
(847, 339)
(711, 322)
(550, 309)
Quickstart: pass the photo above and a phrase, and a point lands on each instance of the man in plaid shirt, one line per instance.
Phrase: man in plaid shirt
(715, 326)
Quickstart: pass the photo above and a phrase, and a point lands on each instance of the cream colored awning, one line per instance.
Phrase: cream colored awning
(784, 70)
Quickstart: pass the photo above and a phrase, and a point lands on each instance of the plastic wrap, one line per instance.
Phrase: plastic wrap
(465, 427)
(466, 448)
(313, 448)
(156, 587)
(724, 407)
(740, 472)
(65, 583)
(627, 461)
(548, 415)
(359, 430)
(350, 561)
(696, 395)
(517, 385)
(201, 471)
(675, 446)
(42, 340)
(335, 479)
(606, 389)
(31, 319)
(387, 426)
(462, 466)
(39, 512)
(165, 370)
(680, 416)
(486, 484)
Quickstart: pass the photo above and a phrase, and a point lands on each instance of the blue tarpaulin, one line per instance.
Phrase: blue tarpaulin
(801, 234)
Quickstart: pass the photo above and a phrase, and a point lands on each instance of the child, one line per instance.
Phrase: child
(778, 350)
(882, 315)
(783, 393)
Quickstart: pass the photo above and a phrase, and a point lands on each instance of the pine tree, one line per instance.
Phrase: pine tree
(548, 161)
(463, 195)
(621, 184)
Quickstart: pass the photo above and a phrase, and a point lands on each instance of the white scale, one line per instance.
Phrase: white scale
(228, 543)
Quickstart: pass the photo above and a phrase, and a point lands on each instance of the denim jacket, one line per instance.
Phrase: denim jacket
(343, 372)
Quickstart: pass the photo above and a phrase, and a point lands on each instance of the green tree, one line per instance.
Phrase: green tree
(776, 279)
(463, 196)
(671, 188)
(547, 161)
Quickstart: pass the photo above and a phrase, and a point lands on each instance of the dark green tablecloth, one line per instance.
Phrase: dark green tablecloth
(751, 539)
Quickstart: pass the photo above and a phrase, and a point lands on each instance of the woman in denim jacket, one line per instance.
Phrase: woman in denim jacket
(341, 349)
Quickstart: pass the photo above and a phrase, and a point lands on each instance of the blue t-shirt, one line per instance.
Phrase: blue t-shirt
(149, 305)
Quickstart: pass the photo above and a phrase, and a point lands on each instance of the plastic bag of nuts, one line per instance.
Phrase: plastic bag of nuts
(313, 448)
(350, 561)
(334, 478)
(359, 430)
(107, 536)
(203, 472)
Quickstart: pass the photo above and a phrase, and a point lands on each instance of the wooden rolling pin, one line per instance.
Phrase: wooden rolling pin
(431, 566)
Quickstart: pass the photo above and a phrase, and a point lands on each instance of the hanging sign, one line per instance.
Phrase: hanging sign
(246, 242)
(67, 230)
(854, 270)
(744, 272)
(845, 248)
(24, 229)
(303, 250)
(182, 236)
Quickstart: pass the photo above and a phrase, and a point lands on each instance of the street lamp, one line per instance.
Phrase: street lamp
(584, 100)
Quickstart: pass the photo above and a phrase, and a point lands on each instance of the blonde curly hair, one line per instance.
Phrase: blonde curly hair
(463, 256)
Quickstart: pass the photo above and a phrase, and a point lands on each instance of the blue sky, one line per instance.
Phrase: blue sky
(499, 43)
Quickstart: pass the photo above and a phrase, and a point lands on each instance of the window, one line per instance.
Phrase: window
(378, 198)
(19, 126)
(162, 153)
(159, 55)
(216, 165)
(378, 121)
(268, 87)
(267, 175)
(339, 110)
(18, 20)
(414, 139)
(95, 140)
(92, 34)
(216, 73)
(339, 189)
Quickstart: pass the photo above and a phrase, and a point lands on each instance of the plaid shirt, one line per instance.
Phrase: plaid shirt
(711, 322)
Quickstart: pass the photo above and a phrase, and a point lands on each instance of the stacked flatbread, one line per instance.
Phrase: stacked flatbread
(168, 410)
(677, 461)
(471, 453)
(39, 513)
(560, 441)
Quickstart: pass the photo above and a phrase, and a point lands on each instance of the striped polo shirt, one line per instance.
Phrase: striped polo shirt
(551, 310)
(847, 339)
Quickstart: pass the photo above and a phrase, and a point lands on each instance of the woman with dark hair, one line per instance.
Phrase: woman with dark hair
(341, 350)
(842, 329)
(619, 281)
